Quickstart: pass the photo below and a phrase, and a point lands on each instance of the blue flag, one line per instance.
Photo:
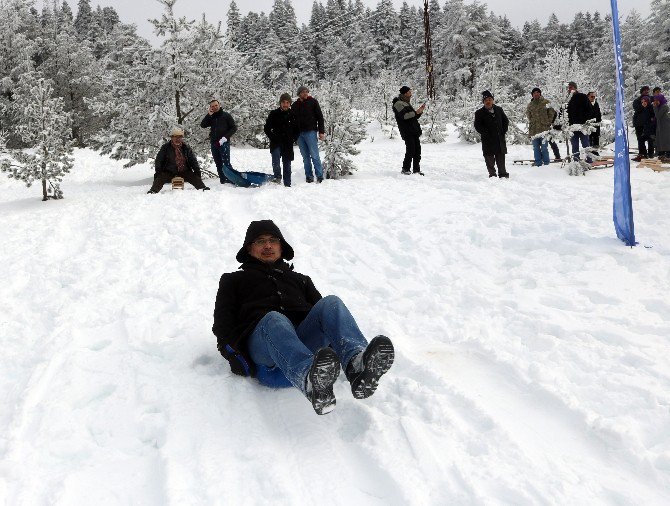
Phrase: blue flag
(623, 202)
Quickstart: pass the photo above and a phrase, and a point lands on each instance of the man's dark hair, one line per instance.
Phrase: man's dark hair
(214, 100)
(644, 88)
(656, 90)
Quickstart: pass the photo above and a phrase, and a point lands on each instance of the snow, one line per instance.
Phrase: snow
(532, 345)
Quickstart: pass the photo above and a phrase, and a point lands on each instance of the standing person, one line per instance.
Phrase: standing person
(648, 120)
(639, 127)
(594, 137)
(222, 127)
(662, 113)
(409, 128)
(540, 117)
(271, 322)
(579, 112)
(176, 158)
(310, 121)
(281, 128)
(491, 122)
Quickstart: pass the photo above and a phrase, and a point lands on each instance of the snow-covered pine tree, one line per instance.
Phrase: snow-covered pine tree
(344, 129)
(44, 126)
(378, 101)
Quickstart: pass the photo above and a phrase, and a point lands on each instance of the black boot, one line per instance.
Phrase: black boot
(365, 369)
(319, 382)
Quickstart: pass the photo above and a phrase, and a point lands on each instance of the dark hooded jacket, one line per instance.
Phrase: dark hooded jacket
(281, 127)
(166, 159)
(248, 294)
(221, 124)
(492, 126)
(406, 117)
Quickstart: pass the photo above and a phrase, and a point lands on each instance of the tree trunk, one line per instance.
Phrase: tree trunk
(45, 197)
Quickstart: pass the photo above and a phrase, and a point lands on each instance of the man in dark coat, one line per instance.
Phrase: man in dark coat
(594, 137)
(271, 322)
(281, 127)
(409, 128)
(639, 126)
(222, 127)
(579, 112)
(175, 158)
(491, 123)
(310, 121)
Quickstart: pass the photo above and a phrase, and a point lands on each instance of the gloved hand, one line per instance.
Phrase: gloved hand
(238, 364)
(222, 141)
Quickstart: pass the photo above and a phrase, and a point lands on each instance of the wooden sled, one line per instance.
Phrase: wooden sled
(654, 164)
(603, 164)
(531, 162)
(177, 183)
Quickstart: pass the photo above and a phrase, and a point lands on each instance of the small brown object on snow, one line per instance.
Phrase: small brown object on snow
(177, 183)
(654, 164)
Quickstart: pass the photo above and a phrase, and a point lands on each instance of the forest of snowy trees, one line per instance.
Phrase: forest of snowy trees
(114, 91)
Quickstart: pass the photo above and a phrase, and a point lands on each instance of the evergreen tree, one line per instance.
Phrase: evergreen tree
(42, 124)
(233, 22)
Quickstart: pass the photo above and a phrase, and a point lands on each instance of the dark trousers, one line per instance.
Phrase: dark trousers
(577, 138)
(554, 148)
(163, 178)
(594, 139)
(493, 160)
(412, 154)
(276, 167)
(218, 161)
(642, 143)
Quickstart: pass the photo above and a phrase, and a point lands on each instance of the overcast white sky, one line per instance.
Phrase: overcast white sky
(518, 11)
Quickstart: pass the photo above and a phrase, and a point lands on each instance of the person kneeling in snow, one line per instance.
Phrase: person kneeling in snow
(176, 159)
(272, 323)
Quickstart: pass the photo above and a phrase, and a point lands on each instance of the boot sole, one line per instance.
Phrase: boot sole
(323, 373)
(377, 360)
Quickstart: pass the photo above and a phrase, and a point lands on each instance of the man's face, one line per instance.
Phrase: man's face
(592, 97)
(266, 248)
(645, 91)
(177, 140)
(488, 102)
(214, 106)
(536, 95)
(285, 105)
(304, 94)
(571, 89)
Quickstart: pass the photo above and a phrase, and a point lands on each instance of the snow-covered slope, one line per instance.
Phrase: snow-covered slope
(532, 345)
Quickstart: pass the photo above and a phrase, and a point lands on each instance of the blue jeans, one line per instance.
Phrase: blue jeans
(541, 152)
(276, 342)
(574, 144)
(308, 142)
(276, 168)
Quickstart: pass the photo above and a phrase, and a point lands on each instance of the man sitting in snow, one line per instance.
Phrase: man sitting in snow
(176, 158)
(272, 323)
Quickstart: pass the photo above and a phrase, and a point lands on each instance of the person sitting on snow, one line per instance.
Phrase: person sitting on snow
(176, 159)
(272, 323)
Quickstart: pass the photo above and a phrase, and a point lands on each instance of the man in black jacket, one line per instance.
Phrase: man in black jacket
(409, 128)
(272, 323)
(222, 127)
(176, 158)
(579, 112)
(594, 137)
(310, 121)
(281, 128)
(491, 123)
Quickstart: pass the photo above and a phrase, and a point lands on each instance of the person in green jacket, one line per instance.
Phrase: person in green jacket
(540, 117)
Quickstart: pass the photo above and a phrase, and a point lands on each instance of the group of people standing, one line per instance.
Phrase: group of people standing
(298, 121)
(651, 119)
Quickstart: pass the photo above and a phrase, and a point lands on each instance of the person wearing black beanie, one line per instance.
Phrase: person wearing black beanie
(409, 128)
(271, 323)
(491, 123)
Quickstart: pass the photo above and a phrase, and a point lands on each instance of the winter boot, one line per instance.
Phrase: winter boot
(365, 369)
(320, 378)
